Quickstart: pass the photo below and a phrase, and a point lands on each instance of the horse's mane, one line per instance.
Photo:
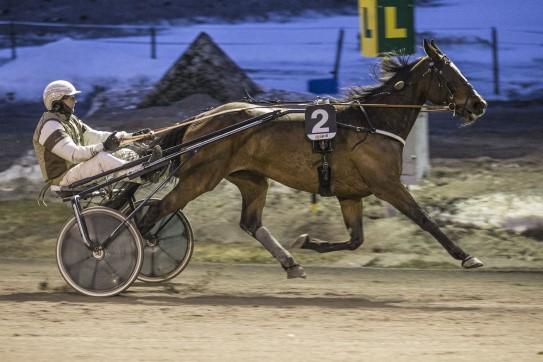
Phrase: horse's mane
(391, 66)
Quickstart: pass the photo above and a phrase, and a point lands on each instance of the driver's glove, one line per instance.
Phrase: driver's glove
(112, 143)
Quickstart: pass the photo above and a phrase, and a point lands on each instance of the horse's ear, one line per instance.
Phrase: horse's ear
(425, 44)
(434, 45)
(431, 51)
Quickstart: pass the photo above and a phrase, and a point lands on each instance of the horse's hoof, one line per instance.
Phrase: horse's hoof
(295, 271)
(299, 242)
(471, 263)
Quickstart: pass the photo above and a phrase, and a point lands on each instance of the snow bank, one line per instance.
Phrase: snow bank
(25, 168)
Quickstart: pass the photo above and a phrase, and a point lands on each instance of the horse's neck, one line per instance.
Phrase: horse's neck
(398, 120)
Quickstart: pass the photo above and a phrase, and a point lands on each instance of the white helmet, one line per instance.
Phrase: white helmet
(56, 90)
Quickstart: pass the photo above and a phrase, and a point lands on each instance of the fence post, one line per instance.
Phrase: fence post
(495, 65)
(12, 40)
(339, 47)
(153, 42)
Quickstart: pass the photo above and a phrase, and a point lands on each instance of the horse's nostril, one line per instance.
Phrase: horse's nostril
(479, 107)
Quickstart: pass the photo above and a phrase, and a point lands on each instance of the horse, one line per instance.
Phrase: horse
(362, 164)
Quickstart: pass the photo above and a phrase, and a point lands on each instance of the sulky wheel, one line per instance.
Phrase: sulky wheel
(167, 246)
(109, 270)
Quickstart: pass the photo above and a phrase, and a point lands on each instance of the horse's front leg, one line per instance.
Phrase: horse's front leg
(395, 193)
(351, 208)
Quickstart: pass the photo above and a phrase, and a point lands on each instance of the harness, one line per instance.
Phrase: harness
(325, 147)
(371, 128)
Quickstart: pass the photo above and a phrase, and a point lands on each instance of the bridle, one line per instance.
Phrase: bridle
(435, 70)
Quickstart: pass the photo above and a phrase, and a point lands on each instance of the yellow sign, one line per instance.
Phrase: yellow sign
(391, 29)
(368, 26)
(385, 26)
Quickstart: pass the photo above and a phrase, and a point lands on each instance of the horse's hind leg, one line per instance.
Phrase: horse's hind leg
(396, 194)
(193, 182)
(253, 190)
(351, 209)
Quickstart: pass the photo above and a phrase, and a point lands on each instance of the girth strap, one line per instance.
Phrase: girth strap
(369, 130)
(391, 135)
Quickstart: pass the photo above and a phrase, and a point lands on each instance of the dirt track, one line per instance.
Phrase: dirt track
(223, 312)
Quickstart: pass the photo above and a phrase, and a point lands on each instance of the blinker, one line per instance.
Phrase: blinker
(399, 85)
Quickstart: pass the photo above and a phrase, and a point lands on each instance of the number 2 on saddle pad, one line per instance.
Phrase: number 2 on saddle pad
(320, 122)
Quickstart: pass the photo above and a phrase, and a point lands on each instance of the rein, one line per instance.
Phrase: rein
(200, 117)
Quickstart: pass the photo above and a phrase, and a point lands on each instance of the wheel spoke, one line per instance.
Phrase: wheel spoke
(118, 237)
(164, 224)
(152, 267)
(168, 254)
(169, 237)
(110, 267)
(93, 281)
(78, 262)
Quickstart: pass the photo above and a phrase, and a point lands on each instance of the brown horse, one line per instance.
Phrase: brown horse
(363, 163)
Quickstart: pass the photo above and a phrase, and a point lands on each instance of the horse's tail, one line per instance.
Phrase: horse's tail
(168, 143)
(171, 138)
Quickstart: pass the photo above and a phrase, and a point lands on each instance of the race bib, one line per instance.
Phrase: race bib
(320, 122)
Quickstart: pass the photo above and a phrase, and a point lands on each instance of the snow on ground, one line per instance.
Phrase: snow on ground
(512, 211)
(26, 168)
(285, 55)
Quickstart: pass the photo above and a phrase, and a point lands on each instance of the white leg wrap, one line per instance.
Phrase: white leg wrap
(272, 245)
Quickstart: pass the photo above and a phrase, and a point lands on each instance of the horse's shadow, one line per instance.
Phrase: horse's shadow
(164, 298)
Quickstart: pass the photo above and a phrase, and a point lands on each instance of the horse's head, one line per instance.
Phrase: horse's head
(449, 86)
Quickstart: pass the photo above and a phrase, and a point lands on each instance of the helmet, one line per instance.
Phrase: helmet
(56, 90)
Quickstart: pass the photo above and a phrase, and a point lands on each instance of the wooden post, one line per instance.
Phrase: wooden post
(153, 42)
(12, 39)
(495, 65)
(339, 48)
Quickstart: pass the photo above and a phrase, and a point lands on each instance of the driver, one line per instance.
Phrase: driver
(68, 150)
